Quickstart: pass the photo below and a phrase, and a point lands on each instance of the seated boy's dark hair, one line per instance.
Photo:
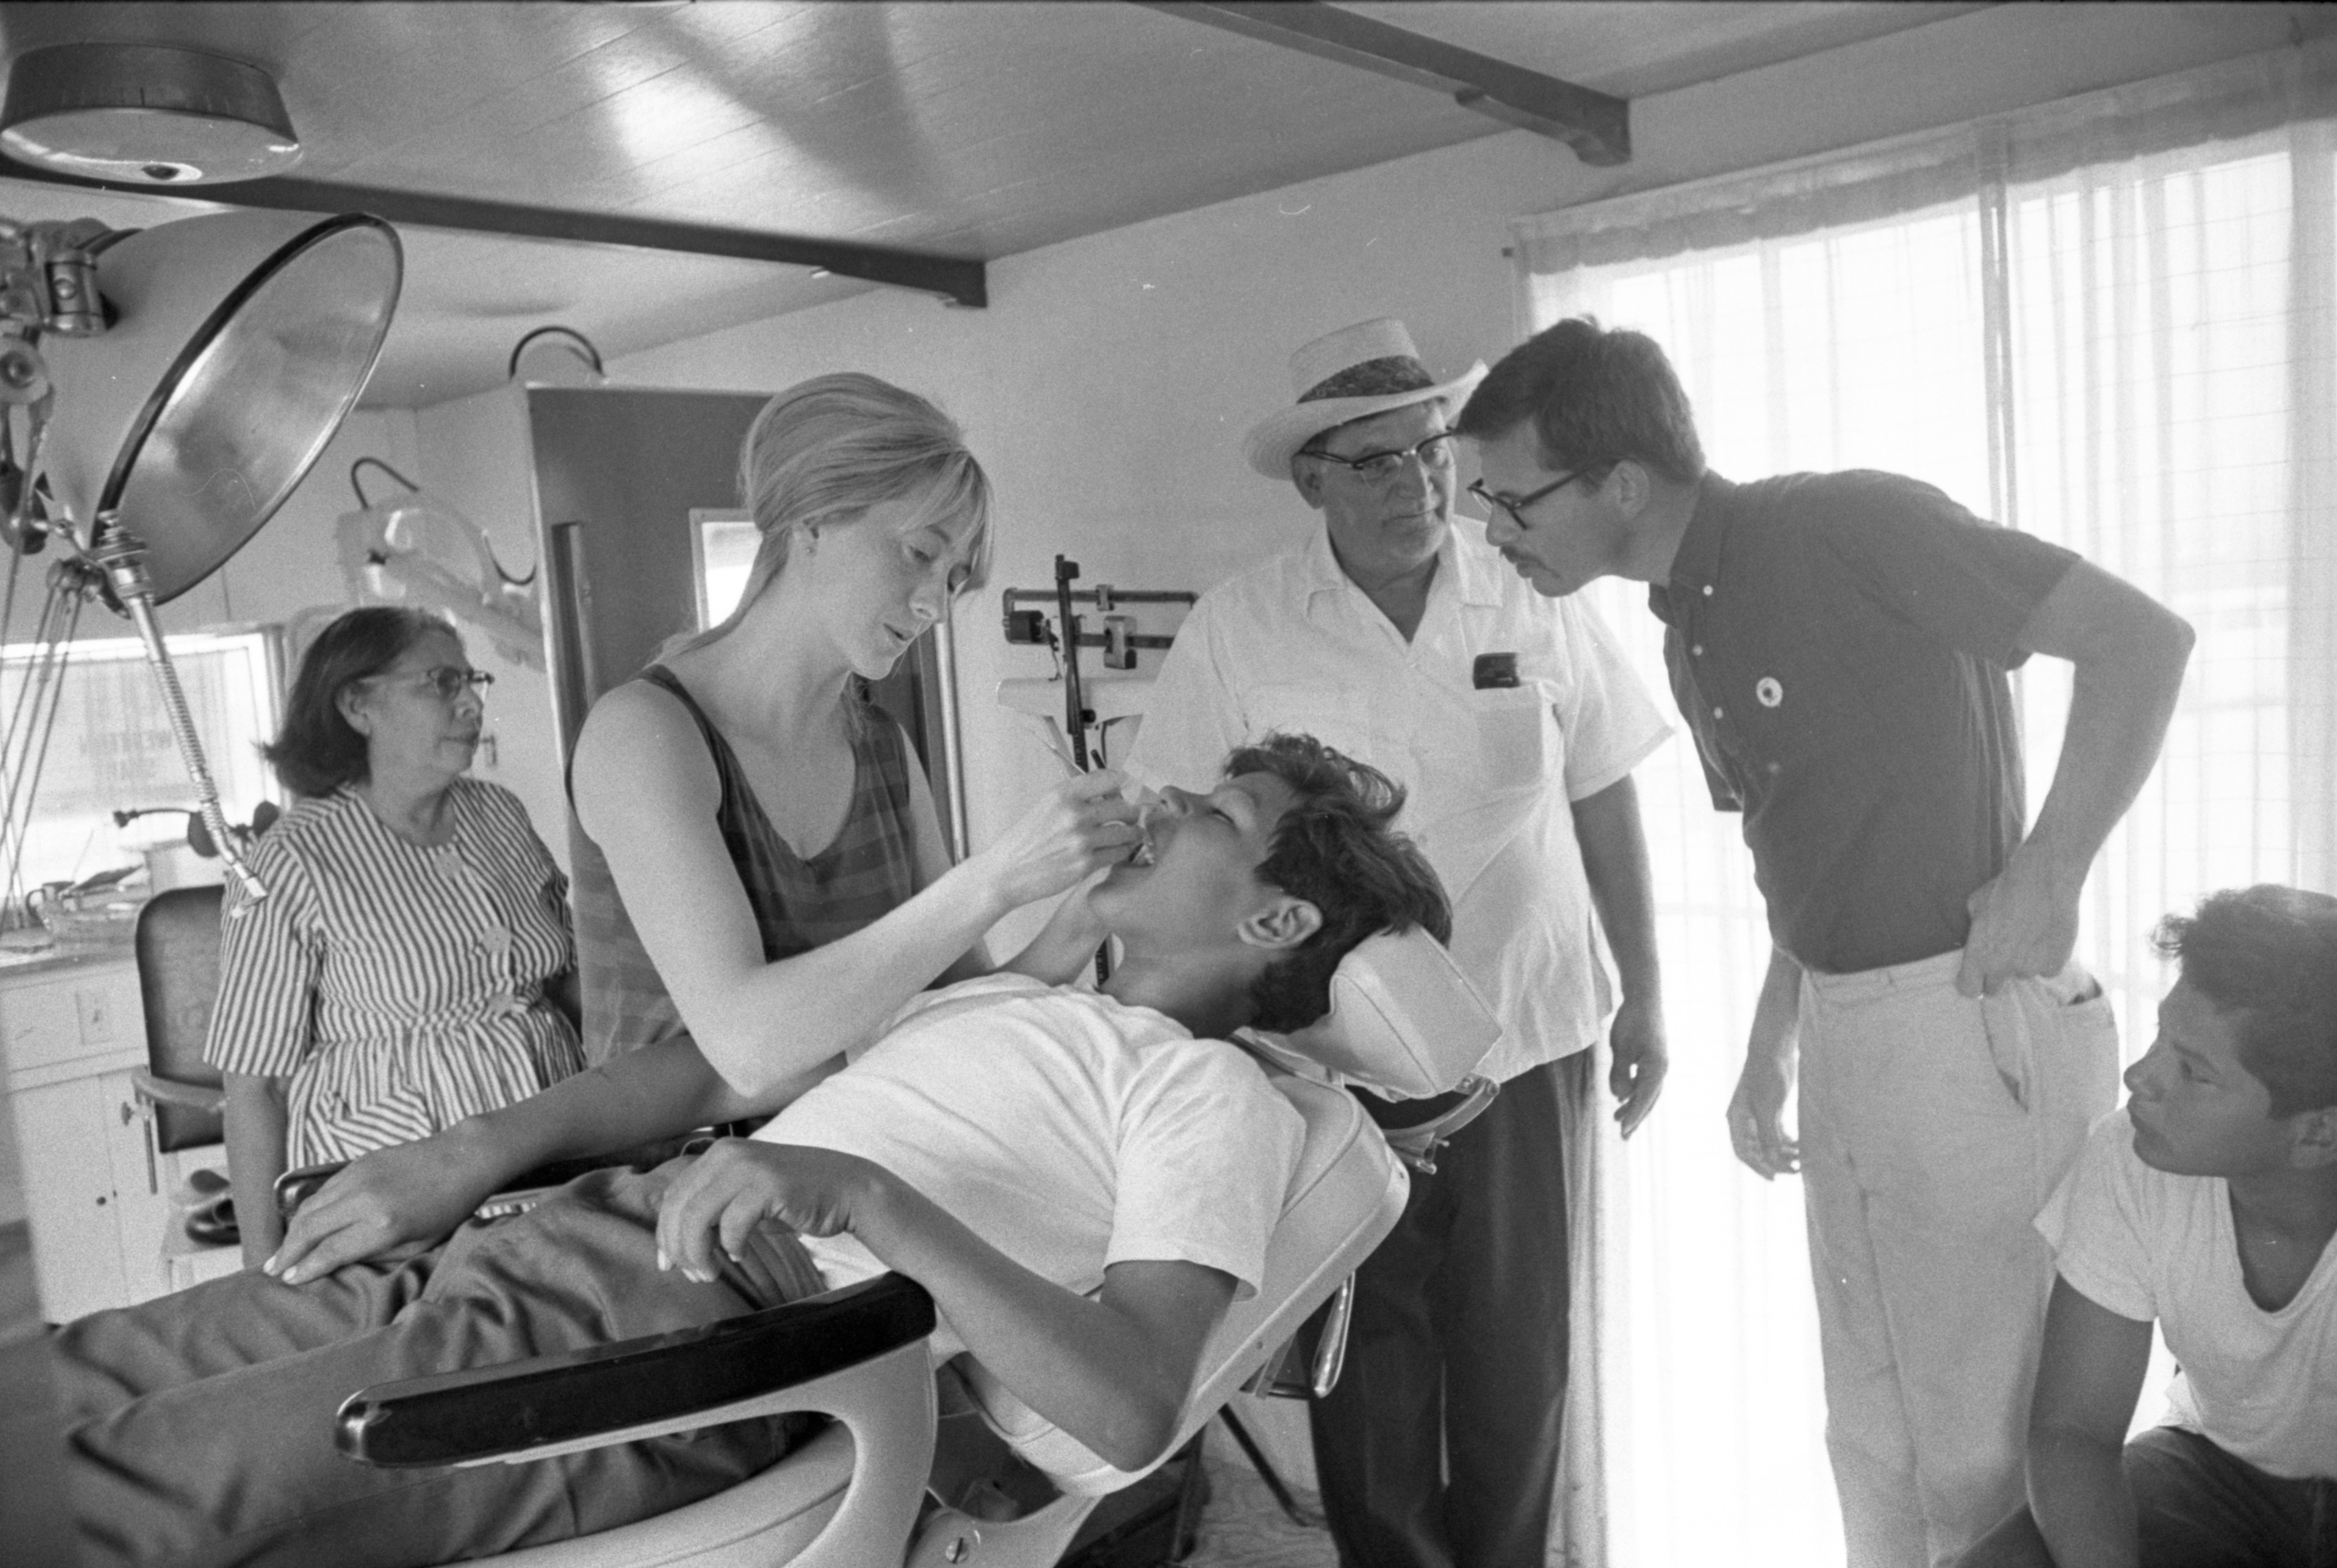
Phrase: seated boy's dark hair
(2268, 955)
(1334, 848)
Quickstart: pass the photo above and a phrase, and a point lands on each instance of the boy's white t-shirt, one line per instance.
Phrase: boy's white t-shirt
(1067, 1130)
(2146, 1244)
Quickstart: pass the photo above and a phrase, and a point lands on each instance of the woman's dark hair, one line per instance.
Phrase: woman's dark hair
(1334, 848)
(2267, 955)
(1593, 396)
(315, 751)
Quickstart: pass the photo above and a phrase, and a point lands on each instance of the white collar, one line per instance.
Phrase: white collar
(1475, 573)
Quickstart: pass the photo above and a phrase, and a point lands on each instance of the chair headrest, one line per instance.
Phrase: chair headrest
(1404, 1021)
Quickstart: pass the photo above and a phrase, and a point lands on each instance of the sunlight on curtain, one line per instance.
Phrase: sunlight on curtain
(2164, 408)
(2157, 396)
(1858, 347)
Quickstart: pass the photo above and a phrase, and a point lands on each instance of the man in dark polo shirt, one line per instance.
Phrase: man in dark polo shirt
(1839, 644)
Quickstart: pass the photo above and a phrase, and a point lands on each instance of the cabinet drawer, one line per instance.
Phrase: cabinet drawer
(90, 1014)
(41, 1024)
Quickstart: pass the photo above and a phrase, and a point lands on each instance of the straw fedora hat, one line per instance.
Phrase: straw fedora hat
(1350, 374)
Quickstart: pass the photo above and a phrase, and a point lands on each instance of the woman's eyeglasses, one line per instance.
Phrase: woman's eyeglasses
(1435, 455)
(446, 682)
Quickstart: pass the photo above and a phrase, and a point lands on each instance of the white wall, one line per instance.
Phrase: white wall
(1107, 386)
(477, 456)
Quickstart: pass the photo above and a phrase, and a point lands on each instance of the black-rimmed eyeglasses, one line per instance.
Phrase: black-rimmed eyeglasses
(1517, 508)
(1435, 455)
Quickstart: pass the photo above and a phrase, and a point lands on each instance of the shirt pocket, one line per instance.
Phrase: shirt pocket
(1517, 742)
(1334, 716)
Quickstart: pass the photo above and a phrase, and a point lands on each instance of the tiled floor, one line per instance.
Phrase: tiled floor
(1242, 1527)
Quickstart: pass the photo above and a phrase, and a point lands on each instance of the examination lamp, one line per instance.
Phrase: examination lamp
(175, 384)
(145, 114)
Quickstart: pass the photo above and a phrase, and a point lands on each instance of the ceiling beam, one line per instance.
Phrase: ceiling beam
(958, 281)
(1596, 125)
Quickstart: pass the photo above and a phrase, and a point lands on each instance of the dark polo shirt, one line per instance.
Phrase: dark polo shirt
(1838, 644)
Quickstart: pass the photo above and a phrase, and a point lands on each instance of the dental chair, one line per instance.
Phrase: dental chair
(1403, 1023)
(178, 1094)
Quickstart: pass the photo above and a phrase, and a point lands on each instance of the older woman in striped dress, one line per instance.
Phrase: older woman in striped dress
(406, 968)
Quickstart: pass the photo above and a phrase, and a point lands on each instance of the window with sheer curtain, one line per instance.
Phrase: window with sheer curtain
(2109, 322)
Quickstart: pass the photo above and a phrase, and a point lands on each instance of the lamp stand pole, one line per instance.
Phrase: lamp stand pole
(121, 556)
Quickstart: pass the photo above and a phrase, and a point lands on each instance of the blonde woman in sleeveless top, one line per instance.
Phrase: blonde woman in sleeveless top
(744, 761)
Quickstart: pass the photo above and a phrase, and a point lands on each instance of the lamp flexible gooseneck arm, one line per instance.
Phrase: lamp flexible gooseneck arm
(123, 559)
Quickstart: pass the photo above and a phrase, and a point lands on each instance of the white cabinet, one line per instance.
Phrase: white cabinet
(97, 1197)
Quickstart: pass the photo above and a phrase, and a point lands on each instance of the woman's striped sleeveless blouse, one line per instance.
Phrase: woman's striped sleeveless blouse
(399, 989)
(865, 872)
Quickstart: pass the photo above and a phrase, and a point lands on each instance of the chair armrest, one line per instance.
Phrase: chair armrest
(459, 1417)
(298, 1185)
(1416, 1130)
(172, 1092)
(1308, 1366)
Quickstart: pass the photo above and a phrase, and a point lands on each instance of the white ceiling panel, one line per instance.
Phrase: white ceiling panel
(972, 130)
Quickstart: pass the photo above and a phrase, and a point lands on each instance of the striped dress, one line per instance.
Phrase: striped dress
(399, 989)
(865, 872)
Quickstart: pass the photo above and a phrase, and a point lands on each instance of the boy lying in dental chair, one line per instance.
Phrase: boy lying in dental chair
(1007, 1144)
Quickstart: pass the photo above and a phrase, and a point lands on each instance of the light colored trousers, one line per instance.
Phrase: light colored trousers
(1933, 1128)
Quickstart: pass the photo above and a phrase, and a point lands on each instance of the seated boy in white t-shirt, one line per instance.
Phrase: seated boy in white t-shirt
(2206, 1204)
(1011, 1146)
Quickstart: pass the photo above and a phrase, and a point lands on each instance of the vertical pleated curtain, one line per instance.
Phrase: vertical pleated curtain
(2111, 321)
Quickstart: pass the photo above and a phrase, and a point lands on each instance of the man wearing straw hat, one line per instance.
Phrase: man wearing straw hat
(1408, 643)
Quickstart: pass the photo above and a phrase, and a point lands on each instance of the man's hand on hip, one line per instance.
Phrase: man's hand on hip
(2023, 922)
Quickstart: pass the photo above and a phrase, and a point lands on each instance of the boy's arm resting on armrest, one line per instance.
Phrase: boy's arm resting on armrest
(1113, 1372)
(409, 1196)
(2089, 1376)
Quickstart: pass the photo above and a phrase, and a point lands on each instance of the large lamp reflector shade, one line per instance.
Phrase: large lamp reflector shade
(238, 343)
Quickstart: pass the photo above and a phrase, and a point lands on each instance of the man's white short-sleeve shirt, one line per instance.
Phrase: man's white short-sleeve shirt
(1294, 646)
(2150, 1245)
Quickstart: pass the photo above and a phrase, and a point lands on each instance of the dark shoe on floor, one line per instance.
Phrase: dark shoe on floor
(212, 1222)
